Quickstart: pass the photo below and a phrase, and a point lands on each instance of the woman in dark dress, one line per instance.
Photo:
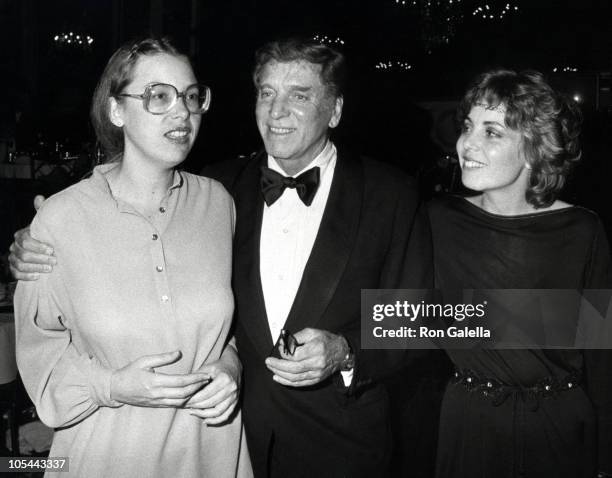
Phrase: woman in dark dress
(531, 412)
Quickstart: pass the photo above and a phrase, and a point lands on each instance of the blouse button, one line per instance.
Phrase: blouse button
(155, 236)
(159, 268)
(162, 209)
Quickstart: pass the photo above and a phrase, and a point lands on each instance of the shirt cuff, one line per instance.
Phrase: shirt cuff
(100, 385)
(347, 377)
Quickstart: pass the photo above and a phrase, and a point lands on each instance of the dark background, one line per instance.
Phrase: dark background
(396, 114)
(404, 116)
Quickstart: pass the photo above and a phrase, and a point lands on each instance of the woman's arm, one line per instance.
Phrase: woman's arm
(216, 402)
(66, 384)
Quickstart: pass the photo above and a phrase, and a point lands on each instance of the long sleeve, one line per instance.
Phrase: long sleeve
(598, 363)
(65, 384)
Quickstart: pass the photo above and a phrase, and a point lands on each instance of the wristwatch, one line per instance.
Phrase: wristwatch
(349, 359)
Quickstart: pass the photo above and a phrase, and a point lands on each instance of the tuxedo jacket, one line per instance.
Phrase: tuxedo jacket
(372, 235)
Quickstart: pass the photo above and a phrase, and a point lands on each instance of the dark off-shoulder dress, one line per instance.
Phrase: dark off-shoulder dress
(566, 434)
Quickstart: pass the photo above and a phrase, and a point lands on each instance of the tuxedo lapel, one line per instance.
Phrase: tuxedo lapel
(247, 279)
(332, 246)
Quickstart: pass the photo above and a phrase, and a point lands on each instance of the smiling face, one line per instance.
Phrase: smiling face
(490, 153)
(164, 139)
(294, 112)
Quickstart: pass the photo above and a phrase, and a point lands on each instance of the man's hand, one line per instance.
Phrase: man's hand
(320, 354)
(138, 384)
(216, 402)
(30, 257)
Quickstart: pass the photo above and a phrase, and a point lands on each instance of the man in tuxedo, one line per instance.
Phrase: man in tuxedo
(315, 225)
(304, 249)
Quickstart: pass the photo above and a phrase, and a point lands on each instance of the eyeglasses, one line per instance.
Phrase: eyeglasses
(288, 342)
(160, 98)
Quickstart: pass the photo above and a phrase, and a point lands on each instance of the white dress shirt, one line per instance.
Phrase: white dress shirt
(288, 231)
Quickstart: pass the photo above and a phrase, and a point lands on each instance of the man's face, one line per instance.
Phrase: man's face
(294, 112)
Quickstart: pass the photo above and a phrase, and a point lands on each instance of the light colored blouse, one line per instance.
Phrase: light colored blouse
(127, 286)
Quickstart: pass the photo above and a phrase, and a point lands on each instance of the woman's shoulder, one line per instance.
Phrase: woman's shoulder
(453, 204)
(64, 207)
(68, 199)
(204, 182)
(587, 220)
(203, 187)
(582, 216)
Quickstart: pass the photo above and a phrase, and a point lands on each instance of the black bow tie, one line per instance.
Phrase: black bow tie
(274, 184)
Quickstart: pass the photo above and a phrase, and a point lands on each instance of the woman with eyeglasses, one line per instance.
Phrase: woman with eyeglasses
(530, 412)
(125, 348)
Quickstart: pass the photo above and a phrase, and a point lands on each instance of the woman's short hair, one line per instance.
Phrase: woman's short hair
(333, 63)
(116, 76)
(548, 122)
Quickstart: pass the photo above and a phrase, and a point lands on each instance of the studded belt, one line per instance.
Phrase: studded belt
(525, 399)
(499, 392)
